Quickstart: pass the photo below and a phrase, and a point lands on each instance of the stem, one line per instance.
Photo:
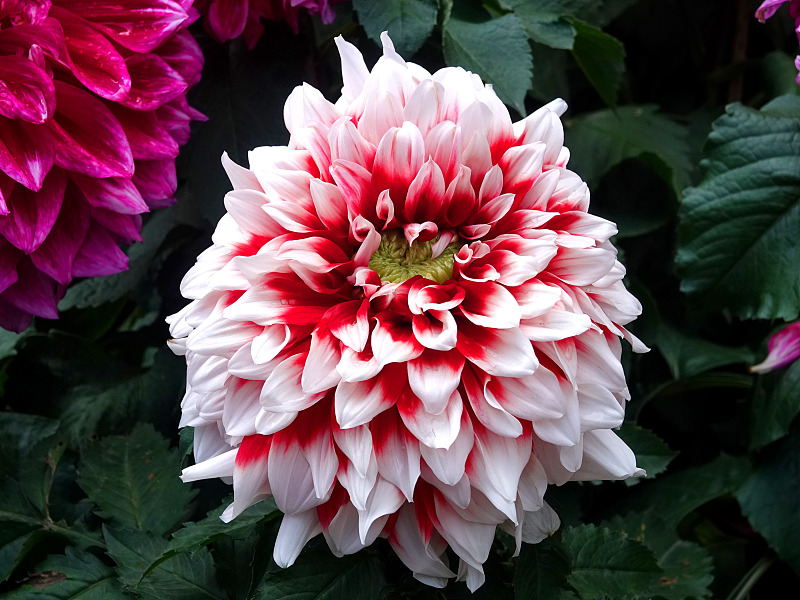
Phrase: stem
(743, 588)
(739, 52)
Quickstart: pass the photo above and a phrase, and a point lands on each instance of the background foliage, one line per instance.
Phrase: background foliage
(684, 119)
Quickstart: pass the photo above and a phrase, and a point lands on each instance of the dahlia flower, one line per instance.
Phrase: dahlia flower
(783, 349)
(408, 325)
(228, 19)
(92, 111)
(769, 7)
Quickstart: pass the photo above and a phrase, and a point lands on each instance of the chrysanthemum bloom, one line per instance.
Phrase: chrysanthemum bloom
(769, 7)
(92, 111)
(784, 348)
(228, 19)
(408, 324)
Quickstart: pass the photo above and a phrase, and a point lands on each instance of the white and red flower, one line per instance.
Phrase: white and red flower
(408, 325)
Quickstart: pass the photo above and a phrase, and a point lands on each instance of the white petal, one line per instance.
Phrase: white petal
(294, 533)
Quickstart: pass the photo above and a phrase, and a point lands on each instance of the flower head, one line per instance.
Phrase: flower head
(92, 111)
(784, 348)
(408, 324)
(228, 19)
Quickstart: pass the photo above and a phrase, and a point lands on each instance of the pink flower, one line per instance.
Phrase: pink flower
(228, 19)
(784, 348)
(769, 7)
(408, 324)
(92, 111)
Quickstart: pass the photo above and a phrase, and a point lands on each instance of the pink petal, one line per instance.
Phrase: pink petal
(116, 194)
(147, 138)
(34, 292)
(227, 18)
(784, 348)
(32, 214)
(88, 137)
(99, 255)
(9, 257)
(26, 91)
(139, 25)
(26, 152)
(126, 228)
(56, 255)
(153, 82)
(12, 318)
(156, 181)
(93, 59)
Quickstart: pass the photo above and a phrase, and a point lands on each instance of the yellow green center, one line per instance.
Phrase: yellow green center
(395, 261)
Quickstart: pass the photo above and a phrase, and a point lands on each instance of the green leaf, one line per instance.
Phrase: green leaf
(134, 481)
(601, 58)
(688, 355)
(675, 495)
(602, 139)
(182, 577)
(496, 49)
(769, 498)
(321, 576)
(196, 535)
(95, 408)
(409, 22)
(688, 572)
(77, 575)
(687, 567)
(8, 339)
(606, 563)
(776, 403)
(541, 570)
(738, 232)
(544, 22)
(652, 454)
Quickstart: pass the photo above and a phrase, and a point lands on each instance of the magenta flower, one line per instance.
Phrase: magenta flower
(228, 19)
(92, 111)
(784, 348)
(408, 324)
(768, 8)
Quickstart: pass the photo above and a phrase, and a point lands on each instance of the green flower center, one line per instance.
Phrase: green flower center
(395, 261)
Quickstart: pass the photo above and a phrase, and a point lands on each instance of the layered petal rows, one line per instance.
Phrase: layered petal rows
(408, 325)
(92, 112)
